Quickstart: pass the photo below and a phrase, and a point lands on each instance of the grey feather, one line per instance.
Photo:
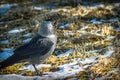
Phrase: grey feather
(38, 45)
(37, 50)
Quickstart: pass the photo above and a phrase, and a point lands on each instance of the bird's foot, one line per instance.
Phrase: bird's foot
(39, 74)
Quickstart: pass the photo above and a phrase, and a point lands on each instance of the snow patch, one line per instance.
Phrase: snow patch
(7, 52)
(84, 27)
(94, 21)
(113, 20)
(64, 41)
(110, 37)
(69, 33)
(27, 35)
(89, 60)
(39, 8)
(68, 69)
(4, 42)
(26, 40)
(15, 31)
(108, 53)
(31, 68)
(6, 6)
(93, 51)
(93, 5)
(64, 26)
(67, 53)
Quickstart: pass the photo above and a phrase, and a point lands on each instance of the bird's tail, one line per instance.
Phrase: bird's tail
(9, 61)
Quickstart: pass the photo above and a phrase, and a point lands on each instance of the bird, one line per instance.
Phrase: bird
(37, 50)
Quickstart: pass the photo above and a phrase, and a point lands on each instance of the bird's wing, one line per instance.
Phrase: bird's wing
(37, 46)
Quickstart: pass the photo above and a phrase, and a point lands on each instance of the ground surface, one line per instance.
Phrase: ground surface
(88, 40)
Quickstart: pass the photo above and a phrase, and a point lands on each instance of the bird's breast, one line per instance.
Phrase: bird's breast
(40, 59)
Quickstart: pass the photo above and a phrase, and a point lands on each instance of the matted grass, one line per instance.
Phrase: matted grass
(94, 37)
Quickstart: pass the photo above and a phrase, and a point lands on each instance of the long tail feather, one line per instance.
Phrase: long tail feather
(9, 61)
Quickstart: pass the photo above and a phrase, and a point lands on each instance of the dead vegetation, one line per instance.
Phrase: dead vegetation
(82, 40)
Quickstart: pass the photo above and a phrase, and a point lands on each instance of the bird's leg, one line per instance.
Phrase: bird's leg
(36, 70)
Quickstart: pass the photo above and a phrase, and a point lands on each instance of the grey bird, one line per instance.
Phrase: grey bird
(37, 50)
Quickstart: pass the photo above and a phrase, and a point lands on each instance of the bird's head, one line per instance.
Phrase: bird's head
(46, 28)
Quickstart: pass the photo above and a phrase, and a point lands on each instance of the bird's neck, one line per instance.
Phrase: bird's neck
(47, 35)
(51, 36)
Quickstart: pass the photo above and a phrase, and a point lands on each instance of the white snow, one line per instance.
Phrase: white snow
(94, 21)
(27, 35)
(62, 42)
(31, 68)
(88, 60)
(113, 20)
(70, 69)
(110, 37)
(15, 31)
(65, 70)
(66, 53)
(116, 4)
(69, 33)
(96, 6)
(64, 26)
(84, 27)
(57, 10)
(6, 6)
(93, 51)
(4, 42)
(93, 5)
(108, 53)
(7, 52)
(72, 79)
(39, 8)
(26, 40)
(19, 77)
(110, 47)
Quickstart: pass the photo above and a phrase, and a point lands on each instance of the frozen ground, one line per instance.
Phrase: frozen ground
(66, 70)
(95, 50)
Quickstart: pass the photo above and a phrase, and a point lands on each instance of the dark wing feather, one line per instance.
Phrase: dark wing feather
(37, 46)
